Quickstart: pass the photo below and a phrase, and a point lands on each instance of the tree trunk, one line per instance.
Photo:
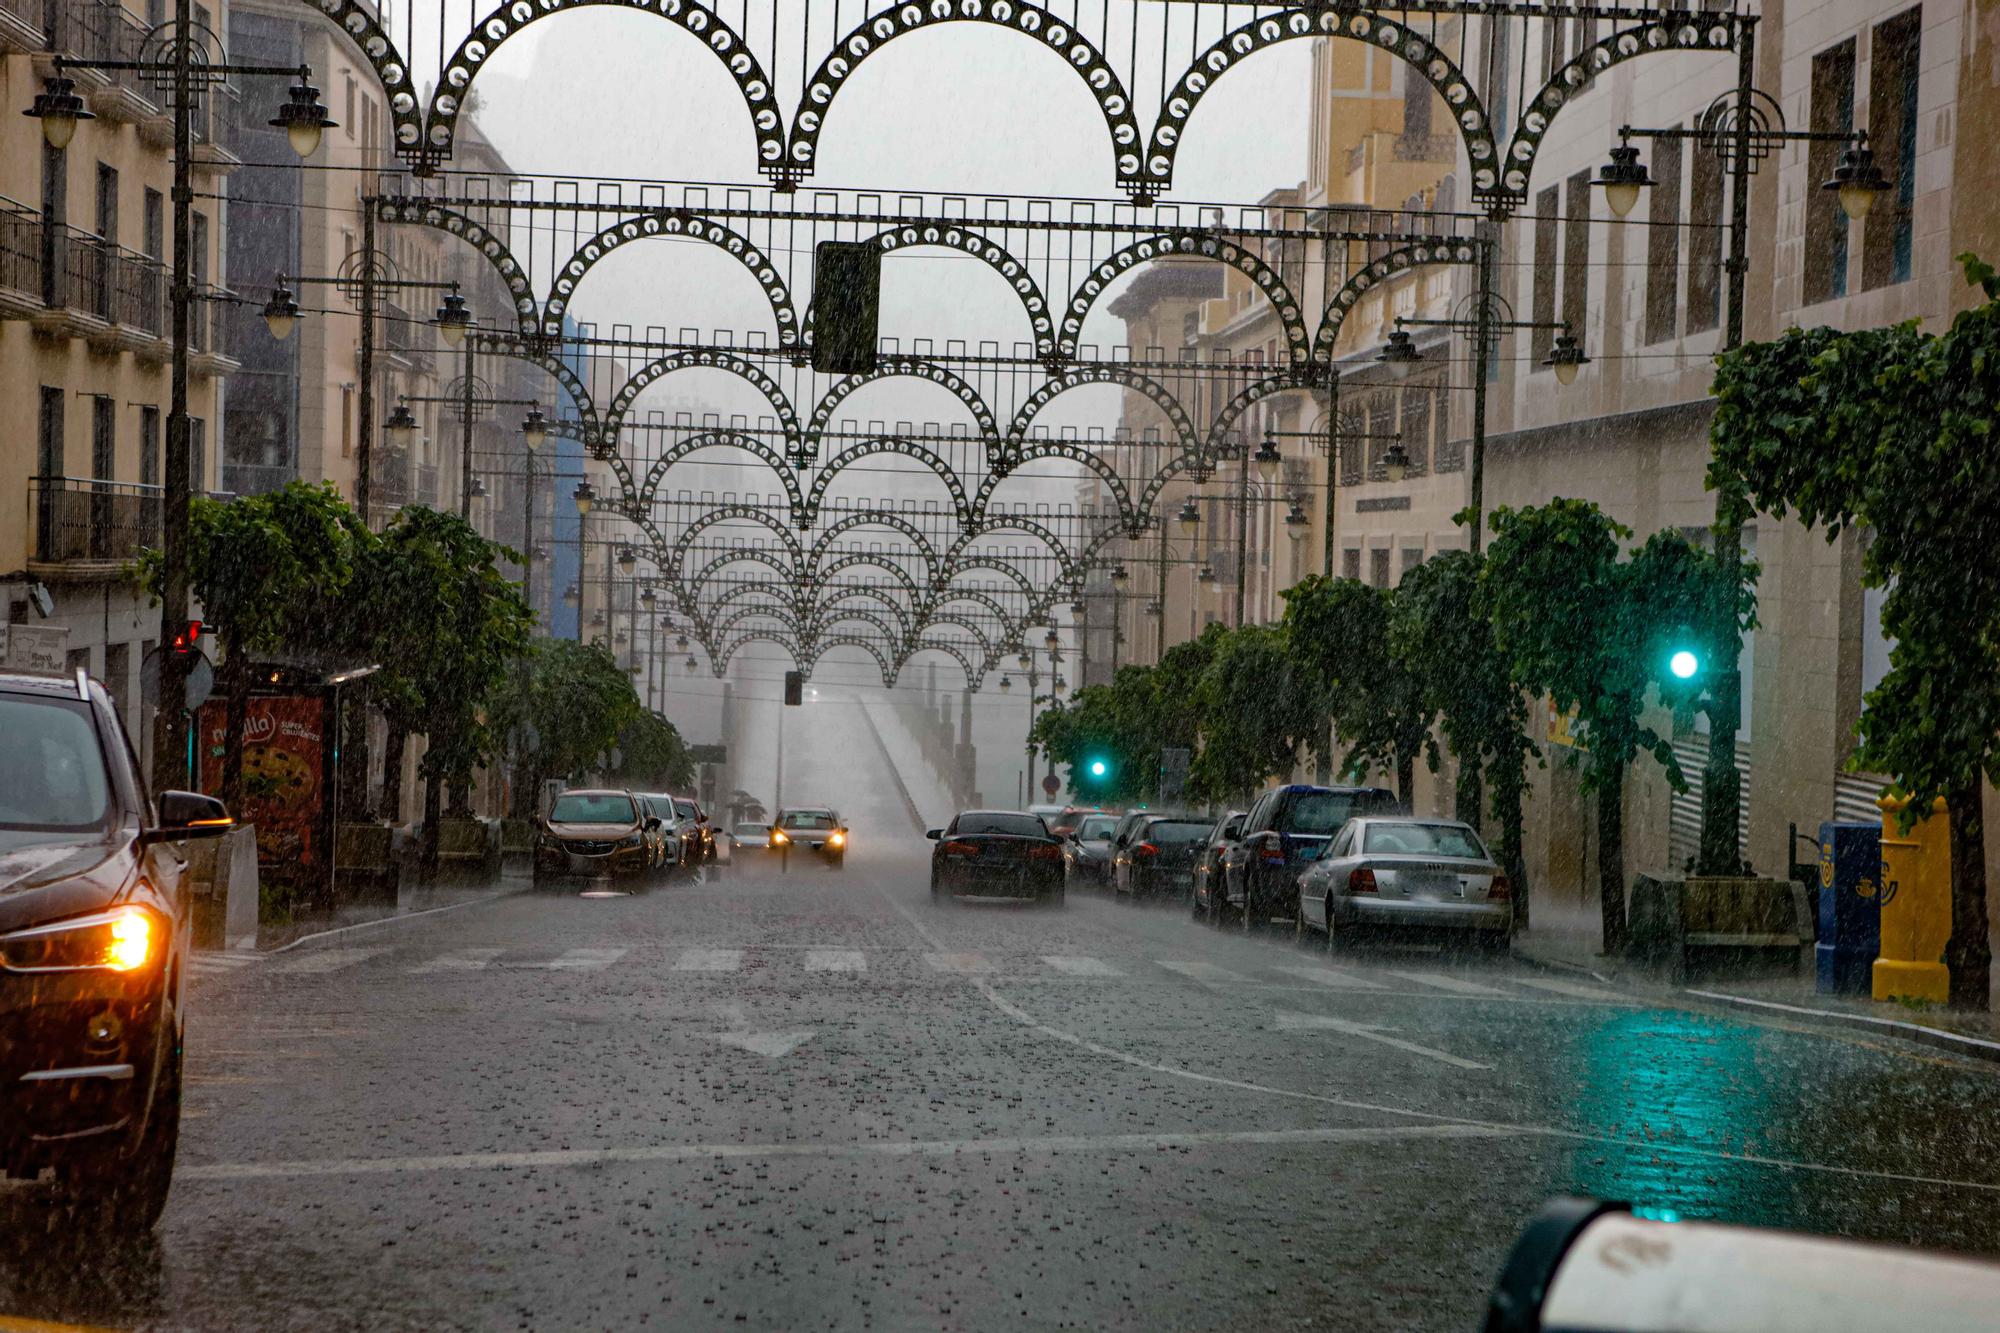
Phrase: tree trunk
(460, 804)
(392, 775)
(236, 696)
(1508, 781)
(1968, 953)
(353, 793)
(433, 812)
(527, 783)
(1465, 795)
(1611, 859)
(1406, 779)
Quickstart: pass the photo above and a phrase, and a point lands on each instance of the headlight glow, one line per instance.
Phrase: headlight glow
(119, 940)
(837, 840)
(778, 838)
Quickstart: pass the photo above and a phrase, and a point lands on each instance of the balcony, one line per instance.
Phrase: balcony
(1427, 148)
(205, 354)
(75, 298)
(21, 27)
(101, 30)
(257, 478)
(88, 528)
(20, 258)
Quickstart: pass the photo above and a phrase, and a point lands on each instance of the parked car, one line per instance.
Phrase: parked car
(1087, 851)
(1432, 874)
(996, 853)
(666, 835)
(697, 838)
(1065, 821)
(750, 837)
(815, 829)
(1205, 896)
(1159, 855)
(1045, 812)
(94, 938)
(594, 835)
(1284, 832)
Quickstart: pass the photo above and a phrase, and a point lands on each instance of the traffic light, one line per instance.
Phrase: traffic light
(187, 639)
(795, 688)
(1093, 774)
(1684, 664)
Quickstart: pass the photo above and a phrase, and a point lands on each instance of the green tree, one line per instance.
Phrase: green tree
(1439, 629)
(1590, 630)
(1893, 430)
(1347, 672)
(652, 756)
(570, 705)
(270, 572)
(1249, 711)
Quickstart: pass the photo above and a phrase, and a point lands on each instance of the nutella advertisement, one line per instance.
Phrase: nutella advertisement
(284, 779)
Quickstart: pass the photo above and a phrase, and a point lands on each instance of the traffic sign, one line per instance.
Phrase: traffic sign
(1051, 784)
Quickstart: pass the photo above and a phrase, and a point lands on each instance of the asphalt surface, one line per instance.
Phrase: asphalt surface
(815, 1100)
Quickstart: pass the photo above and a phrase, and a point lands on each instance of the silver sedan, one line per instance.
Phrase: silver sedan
(1406, 872)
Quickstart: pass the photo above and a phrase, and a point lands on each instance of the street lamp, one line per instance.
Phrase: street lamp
(1121, 578)
(681, 642)
(303, 119)
(586, 496)
(628, 560)
(401, 427)
(1297, 521)
(1052, 640)
(1857, 180)
(59, 109)
(534, 428)
(572, 595)
(1396, 460)
(1622, 178)
(1206, 574)
(478, 488)
(453, 319)
(690, 662)
(1189, 517)
(1026, 659)
(1565, 358)
(1400, 355)
(1005, 684)
(1268, 460)
(281, 312)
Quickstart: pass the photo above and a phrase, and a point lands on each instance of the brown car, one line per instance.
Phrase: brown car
(594, 835)
(94, 938)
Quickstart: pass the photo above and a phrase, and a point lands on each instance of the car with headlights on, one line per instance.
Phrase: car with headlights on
(816, 830)
(1087, 850)
(748, 836)
(996, 854)
(664, 835)
(696, 835)
(593, 835)
(1407, 873)
(94, 941)
(1158, 858)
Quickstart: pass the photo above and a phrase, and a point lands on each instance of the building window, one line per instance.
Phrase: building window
(1892, 133)
(107, 202)
(1826, 225)
(352, 128)
(1350, 563)
(1704, 240)
(1416, 428)
(1412, 557)
(154, 242)
(49, 433)
(347, 421)
(1546, 221)
(1378, 566)
(1576, 252)
(197, 431)
(149, 445)
(1663, 243)
(103, 438)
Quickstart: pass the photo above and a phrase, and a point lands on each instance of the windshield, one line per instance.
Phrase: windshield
(1424, 839)
(1323, 812)
(1095, 828)
(1003, 822)
(592, 808)
(807, 819)
(52, 777)
(1174, 832)
(750, 831)
(685, 809)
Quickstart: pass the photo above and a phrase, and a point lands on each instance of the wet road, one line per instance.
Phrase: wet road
(814, 1100)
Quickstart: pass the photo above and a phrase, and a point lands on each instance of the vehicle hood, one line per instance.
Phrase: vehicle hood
(593, 832)
(44, 881)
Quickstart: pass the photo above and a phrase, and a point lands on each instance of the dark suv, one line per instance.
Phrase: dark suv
(1284, 831)
(94, 933)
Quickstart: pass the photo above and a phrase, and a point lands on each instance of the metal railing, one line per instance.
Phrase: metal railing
(81, 518)
(257, 478)
(136, 290)
(1426, 148)
(20, 248)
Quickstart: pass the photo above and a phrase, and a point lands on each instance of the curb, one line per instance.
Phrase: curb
(391, 920)
(1975, 1048)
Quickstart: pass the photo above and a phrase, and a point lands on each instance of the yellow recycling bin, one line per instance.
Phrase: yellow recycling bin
(1916, 904)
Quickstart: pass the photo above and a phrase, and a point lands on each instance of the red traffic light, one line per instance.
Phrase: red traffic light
(188, 639)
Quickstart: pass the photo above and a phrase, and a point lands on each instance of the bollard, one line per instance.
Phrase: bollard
(1916, 904)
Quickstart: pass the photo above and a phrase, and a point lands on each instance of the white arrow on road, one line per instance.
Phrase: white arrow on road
(1291, 1022)
(772, 1044)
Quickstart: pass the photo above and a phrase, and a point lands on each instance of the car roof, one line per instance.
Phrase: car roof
(596, 791)
(1313, 786)
(19, 680)
(807, 810)
(1442, 820)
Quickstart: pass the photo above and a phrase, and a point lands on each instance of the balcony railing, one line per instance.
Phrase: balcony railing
(1427, 148)
(21, 249)
(79, 518)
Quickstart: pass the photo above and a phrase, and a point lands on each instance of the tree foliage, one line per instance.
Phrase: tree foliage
(652, 756)
(1347, 672)
(1250, 714)
(571, 703)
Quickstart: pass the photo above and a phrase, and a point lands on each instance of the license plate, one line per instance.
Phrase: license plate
(1433, 886)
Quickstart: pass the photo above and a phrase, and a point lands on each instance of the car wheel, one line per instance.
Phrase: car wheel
(1301, 934)
(1332, 935)
(1195, 910)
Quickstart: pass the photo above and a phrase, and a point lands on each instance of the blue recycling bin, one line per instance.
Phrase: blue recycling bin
(1850, 906)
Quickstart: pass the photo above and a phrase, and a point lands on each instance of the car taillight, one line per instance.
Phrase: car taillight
(955, 848)
(1500, 890)
(1045, 853)
(1361, 881)
(1145, 849)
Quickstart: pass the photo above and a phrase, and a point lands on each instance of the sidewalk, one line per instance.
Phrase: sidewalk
(411, 900)
(1974, 1035)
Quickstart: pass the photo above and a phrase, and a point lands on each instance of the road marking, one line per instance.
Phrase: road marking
(1071, 966)
(1332, 976)
(1442, 981)
(325, 960)
(1572, 988)
(1203, 972)
(835, 960)
(461, 960)
(771, 1044)
(1290, 1022)
(709, 960)
(962, 963)
(220, 960)
(708, 1152)
(581, 960)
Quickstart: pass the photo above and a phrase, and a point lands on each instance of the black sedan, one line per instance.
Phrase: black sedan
(996, 854)
(1158, 858)
(93, 946)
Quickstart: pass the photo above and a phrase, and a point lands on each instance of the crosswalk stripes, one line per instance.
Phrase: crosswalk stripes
(961, 963)
(709, 960)
(835, 960)
(322, 961)
(1071, 966)
(1445, 982)
(581, 960)
(1332, 976)
(1569, 988)
(1208, 972)
(461, 960)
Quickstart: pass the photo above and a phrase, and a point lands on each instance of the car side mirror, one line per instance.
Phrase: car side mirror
(189, 814)
(934, 834)
(654, 823)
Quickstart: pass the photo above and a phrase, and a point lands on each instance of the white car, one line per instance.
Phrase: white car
(1400, 871)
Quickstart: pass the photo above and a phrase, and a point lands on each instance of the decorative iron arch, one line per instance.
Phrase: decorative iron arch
(861, 518)
(878, 30)
(723, 514)
(419, 212)
(828, 619)
(1256, 391)
(660, 367)
(1196, 465)
(877, 560)
(1024, 523)
(1441, 250)
(648, 492)
(888, 445)
(435, 139)
(717, 627)
(954, 236)
(1034, 449)
(585, 427)
(1200, 244)
(945, 596)
(974, 675)
(357, 22)
(1685, 30)
(903, 614)
(888, 368)
(687, 590)
(832, 641)
(975, 560)
(1342, 18)
(778, 589)
(988, 648)
(672, 223)
(1058, 385)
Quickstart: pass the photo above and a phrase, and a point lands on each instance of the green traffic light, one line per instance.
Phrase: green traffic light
(1098, 768)
(1684, 664)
